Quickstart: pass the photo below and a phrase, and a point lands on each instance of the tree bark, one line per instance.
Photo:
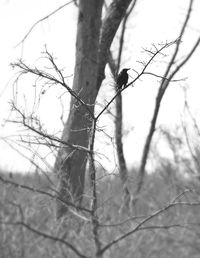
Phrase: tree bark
(92, 47)
(70, 164)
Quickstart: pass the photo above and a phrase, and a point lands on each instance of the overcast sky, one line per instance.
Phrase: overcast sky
(155, 21)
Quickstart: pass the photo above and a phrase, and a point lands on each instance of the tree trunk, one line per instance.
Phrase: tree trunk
(114, 16)
(70, 164)
(123, 171)
(91, 57)
(169, 74)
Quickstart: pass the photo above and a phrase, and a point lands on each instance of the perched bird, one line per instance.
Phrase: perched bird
(122, 78)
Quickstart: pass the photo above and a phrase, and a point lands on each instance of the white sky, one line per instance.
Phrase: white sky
(153, 21)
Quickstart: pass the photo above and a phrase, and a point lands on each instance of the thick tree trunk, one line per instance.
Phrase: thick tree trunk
(91, 58)
(70, 164)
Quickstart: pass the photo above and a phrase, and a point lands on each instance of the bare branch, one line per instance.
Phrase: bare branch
(44, 134)
(35, 190)
(114, 67)
(161, 91)
(121, 41)
(45, 235)
(183, 28)
(115, 13)
(43, 19)
(166, 45)
(192, 153)
(50, 78)
(93, 172)
(161, 77)
(150, 217)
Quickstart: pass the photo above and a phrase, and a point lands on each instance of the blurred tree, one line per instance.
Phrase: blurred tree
(114, 67)
(172, 68)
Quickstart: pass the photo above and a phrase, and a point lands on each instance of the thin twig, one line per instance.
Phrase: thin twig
(43, 134)
(41, 20)
(161, 91)
(33, 189)
(150, 217)
(45, 235)
(139, 74)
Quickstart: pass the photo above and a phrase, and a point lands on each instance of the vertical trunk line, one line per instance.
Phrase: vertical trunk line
(123, 171)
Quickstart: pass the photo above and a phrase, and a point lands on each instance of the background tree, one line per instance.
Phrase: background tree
(173, 67)
(114, 67)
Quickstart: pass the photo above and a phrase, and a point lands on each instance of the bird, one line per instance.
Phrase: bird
(122, 78)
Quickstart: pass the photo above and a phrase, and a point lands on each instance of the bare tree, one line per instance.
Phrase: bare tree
(114, 67)
(101, 227)
(70, 165)
(41, 137)
(173, 67)
(94, 38)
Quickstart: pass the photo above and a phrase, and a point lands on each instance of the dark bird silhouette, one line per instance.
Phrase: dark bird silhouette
(122, 78)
